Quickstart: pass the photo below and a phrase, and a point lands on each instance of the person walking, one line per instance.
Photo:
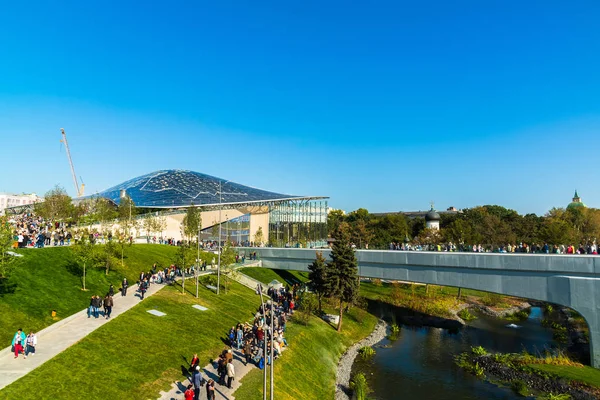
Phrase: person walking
(230, 373)
(111, 290)
(18, 342)
(108, 305)
(124, 287)
(143, 288)
(30, 344)
(197, 380)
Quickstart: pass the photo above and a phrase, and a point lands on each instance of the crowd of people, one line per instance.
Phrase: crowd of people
(33, 231)
(249, 339)
(522, 248)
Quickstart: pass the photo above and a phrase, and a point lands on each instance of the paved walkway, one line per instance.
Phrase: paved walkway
(210, 372)
(63, 334)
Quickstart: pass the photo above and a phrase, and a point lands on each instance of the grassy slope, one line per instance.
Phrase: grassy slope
(266, 275)
(307, 369)
(586, 374)
(46, 280)
(137, 355)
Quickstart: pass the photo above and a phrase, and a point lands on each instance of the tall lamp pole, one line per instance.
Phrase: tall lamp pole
(272, 336)
(219, 248)
(264, 343)
(197, 259)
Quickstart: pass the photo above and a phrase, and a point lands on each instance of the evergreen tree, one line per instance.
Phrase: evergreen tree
(317, 277)
(342, 271)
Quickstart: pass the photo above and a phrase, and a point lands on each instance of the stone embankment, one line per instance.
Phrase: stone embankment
(342, 382)
(504, 373)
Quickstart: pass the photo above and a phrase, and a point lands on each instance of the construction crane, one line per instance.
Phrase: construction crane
(78, 189)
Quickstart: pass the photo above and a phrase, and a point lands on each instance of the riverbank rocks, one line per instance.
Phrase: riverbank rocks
(344, 370)
(497, 371)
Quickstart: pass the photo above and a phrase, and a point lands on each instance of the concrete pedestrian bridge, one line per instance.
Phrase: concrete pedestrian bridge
(572, 281)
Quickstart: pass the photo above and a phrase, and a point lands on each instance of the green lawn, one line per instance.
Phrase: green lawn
(307, 369)
(266, 275)
(49, 279)
(585, 374)
(137, 355)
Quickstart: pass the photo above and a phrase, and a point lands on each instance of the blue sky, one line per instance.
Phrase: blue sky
(386, 105)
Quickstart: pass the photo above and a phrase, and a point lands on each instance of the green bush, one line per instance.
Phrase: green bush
(466, 315)
(366, 352)
(360, 386)
(478, 351)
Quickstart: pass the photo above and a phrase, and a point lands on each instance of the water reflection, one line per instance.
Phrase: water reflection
(420, 364)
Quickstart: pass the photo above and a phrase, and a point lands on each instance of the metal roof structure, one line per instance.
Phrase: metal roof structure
(181, 188)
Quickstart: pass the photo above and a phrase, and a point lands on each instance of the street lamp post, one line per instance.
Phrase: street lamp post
(197, 259)
(272, 336)
(264, 344)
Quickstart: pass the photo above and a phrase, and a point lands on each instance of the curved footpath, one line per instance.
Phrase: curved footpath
(342, 382)
(63, 334)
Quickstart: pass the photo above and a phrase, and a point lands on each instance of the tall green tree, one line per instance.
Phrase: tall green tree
(126, 213)
(57, 205)
(7, 238)
(85, 254)
(192, 222)
(318, 278)
(342, 271)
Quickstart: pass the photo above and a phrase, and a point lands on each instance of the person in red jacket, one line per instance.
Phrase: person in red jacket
(189, 393)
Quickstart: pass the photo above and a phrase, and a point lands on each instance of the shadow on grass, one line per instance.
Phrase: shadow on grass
(7, 287)
(287, 276)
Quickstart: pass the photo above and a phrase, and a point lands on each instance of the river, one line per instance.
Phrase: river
(420, 363)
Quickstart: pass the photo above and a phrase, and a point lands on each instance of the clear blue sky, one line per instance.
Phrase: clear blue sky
(385, 105)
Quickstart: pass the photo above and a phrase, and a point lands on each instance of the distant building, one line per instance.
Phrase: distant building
(9, 200)
(432, 219)
(423, 214)
(576, 203)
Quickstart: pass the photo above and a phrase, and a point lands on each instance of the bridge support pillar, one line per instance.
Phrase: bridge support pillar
(582, 295)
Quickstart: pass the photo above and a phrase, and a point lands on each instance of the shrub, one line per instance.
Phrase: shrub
(366, 352)
(377, 282)
(478, 351)
(360, 386)
(394, 332)
(466, 315)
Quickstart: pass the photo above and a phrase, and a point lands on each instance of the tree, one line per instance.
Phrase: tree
(161, 224)
(227, 265)
(317, 277)
(192, 222)
(7, 261)
(126, 213)
(57, 205)
(259, 237)
(334, 218)
(84, 253)
(184, 257)
(107, 256)
(342, 271)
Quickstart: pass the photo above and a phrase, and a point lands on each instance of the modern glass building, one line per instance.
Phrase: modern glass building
(242, 211)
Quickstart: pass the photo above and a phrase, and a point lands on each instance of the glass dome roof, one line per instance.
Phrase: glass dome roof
(180, 188)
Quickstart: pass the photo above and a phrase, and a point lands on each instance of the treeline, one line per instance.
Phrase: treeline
(490, 226)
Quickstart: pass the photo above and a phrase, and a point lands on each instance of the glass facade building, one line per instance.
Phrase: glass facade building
(298, 223)
(293, 221)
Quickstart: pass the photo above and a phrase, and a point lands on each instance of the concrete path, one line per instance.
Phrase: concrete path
(63, 334)
(210, 372)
